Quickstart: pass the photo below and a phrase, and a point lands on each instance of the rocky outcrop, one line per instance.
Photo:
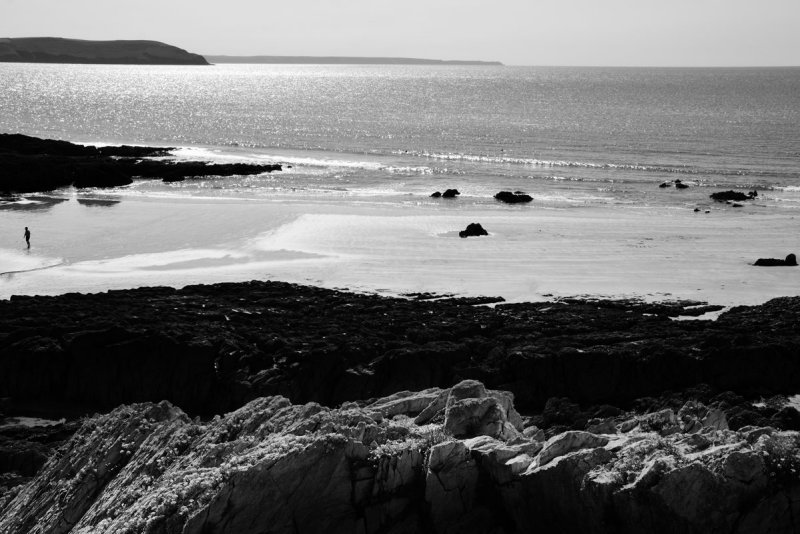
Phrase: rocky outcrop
(473, 230)
(281, 467)
(210, 349)
(58, 50)
(790, 261)
(28, 164)
(516, 197)
(449, 193)
(723, 196)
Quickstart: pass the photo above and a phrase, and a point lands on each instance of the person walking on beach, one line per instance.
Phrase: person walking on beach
(27, 235)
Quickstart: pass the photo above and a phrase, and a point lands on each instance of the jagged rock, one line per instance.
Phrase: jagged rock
(473, 230)
(470, 411)
(568, 442)
(406, 402)
(275, 466)
(450, 193)
(790, 261)
(534, 433)
(450, 484)
(601, 426)
(513, 198)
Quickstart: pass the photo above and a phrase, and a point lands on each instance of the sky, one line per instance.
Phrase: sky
(515, 32)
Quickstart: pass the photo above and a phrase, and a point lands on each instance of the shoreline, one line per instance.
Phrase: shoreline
(654, 255)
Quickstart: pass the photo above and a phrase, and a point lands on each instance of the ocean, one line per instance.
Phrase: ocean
(363, 147)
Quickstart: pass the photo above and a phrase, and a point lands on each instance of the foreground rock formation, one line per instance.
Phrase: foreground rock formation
(59, 50)
(29, 164)
(438, 460)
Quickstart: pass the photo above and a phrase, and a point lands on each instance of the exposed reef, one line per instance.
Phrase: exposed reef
(439, 460)
(210, 349)
(59, 50)
(29, 164)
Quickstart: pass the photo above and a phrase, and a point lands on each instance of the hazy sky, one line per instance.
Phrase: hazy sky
(516, 32)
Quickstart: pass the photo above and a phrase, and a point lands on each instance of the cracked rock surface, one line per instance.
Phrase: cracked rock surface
(274, 466)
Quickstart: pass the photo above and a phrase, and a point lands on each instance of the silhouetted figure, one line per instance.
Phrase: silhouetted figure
(27, 235)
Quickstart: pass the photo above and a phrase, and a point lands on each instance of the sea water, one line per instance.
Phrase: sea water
(363, 147)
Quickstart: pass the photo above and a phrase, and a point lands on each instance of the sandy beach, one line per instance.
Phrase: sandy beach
(94, 243)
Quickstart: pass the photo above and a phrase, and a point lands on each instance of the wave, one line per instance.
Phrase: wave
(535, 162)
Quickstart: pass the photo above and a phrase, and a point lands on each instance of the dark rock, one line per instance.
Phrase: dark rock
(680, 185)
(28, 164)
(512, 198)
(790, 261)
(450, 193)
(663, 184)
(473, 230)
(212, 348)
(722, 196)
(437, 194)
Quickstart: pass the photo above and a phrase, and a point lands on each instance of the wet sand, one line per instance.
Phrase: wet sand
(94, 243)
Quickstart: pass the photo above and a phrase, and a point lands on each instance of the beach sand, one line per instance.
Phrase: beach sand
(91, 244)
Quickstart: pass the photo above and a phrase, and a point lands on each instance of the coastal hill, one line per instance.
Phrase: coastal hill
(343, 60)
(59, 50)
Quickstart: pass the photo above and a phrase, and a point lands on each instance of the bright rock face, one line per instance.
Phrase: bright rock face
(273, 466)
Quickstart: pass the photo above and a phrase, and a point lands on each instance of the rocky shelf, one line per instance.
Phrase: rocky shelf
(29, 164)
(601, 416)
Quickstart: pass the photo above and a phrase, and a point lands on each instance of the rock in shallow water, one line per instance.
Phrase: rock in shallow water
(513, 198)
(473, 230)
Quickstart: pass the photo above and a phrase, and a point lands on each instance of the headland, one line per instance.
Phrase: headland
(60, 50)
(344, 60)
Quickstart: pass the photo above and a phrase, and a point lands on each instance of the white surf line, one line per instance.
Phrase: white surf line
(35, 269)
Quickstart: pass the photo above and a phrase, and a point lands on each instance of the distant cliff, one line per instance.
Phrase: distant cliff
(343, 60)
(58, 50)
